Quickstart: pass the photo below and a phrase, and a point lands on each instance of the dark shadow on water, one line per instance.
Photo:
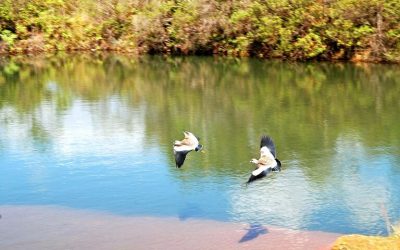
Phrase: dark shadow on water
(253, 232)
(190, 210)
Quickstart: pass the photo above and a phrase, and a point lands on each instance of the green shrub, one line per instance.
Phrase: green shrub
(295, 29)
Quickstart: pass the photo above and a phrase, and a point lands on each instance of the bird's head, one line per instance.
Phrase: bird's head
(199, 147)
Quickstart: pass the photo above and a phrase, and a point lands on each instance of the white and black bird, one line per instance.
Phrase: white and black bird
(183, 147)
(267, 161)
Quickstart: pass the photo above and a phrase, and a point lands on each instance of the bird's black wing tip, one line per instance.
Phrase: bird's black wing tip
(256, 177)
(180, 157)
(266, 141)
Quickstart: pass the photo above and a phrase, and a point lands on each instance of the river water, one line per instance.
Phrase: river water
(95, 132)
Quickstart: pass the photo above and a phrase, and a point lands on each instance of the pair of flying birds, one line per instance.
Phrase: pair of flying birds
(266, 163)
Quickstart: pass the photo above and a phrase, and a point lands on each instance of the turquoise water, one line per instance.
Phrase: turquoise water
(96, 132)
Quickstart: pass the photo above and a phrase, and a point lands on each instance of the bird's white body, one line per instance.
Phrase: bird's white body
(267, 161)
(189, 143)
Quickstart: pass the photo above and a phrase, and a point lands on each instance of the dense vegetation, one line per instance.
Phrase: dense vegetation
(360, 30)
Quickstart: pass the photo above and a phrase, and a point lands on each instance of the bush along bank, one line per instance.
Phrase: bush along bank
(356, 30)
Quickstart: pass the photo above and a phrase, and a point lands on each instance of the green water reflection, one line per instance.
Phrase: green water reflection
(306, 107)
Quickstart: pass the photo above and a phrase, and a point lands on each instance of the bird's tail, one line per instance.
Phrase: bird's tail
(278, 166)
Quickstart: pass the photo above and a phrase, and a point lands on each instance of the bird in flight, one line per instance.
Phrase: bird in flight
(267, 161)
(183, 147)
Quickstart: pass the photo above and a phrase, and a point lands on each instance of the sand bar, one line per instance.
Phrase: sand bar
(52, 227)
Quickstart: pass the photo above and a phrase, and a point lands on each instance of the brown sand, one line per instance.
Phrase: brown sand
(49, 227)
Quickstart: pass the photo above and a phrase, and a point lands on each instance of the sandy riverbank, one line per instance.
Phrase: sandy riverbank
(48, 227)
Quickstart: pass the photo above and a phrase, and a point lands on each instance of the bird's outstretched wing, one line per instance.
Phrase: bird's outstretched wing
(266, 141)
(256, 177)
(180, 157)
(260, 170)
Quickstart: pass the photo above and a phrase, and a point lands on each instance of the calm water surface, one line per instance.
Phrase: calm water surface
(96, 132)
